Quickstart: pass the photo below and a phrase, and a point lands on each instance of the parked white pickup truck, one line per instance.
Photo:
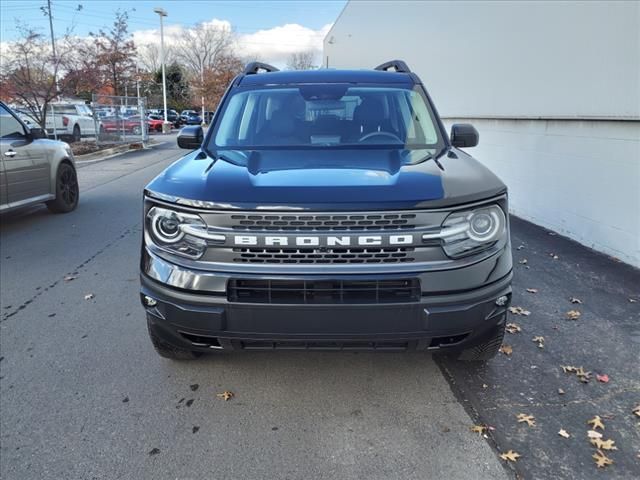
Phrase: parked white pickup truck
(72, 121)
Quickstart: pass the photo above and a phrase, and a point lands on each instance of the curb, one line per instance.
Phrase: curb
(108, 153)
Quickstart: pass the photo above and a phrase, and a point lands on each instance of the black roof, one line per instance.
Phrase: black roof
(327, 76)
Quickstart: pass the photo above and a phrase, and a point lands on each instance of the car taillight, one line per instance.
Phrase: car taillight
(65, 121)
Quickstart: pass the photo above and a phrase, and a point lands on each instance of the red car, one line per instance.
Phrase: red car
(121, 124)
(155, 123)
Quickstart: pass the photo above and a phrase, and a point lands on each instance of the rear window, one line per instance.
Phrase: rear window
(326, 115)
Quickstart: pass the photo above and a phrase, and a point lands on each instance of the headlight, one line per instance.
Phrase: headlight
(467, 232)
(178, 232)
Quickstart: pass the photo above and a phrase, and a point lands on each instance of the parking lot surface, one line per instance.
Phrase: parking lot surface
(83, 394)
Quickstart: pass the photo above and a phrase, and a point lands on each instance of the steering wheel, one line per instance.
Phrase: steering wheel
(380, 134)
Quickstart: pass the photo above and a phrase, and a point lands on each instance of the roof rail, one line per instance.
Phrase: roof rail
(398, 65)
(253, 68)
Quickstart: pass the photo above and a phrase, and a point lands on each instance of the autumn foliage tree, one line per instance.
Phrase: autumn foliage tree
(115, 53)
(29, 73)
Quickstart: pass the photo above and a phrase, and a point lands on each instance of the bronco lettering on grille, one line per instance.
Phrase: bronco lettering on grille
(322, 241)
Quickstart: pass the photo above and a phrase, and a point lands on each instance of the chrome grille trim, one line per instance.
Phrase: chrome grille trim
(343, 222)
(333, 256)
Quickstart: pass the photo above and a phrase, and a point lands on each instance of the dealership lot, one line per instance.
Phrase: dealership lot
(77, 365)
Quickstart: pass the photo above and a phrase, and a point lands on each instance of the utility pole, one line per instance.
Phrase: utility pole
(55, 68)
(53, 41)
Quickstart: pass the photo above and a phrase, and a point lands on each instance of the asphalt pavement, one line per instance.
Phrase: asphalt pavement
(83, 395)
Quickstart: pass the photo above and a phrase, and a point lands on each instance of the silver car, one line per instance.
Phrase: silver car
(34, 169)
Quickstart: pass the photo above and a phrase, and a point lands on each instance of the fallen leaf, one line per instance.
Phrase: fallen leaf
(636, 410)
(506, 349)
(583, 376)
(194, 387)
(513, 328)
(154, 451)
(601, 459)
(575, 300)
(520, 247)
(524, 261)
(519, 311)
(633, 300)
(529, 419)
(596, 422)
(226, 395)
(554, 256)
(510, 456)
(573, 315)
(603, 444)
(532, 290)
(564, 433)
(89, 296)
(568, 368)
(479, 429)
(560, 391)
(539, 340)
(484, 385)
(594, 434)
(69, 278)
(195, 429)
(604, 378)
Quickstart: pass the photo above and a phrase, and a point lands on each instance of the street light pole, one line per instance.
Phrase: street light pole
(163, 13)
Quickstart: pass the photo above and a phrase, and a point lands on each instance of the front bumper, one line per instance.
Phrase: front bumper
(446, 320)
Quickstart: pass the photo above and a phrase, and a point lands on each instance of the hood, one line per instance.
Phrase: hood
(328, 179)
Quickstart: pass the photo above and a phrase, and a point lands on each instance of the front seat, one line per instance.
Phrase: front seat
(369, 117)
(280, 129)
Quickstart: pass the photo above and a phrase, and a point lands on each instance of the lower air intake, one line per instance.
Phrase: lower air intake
(324, 291)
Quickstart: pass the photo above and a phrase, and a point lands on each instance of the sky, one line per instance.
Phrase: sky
(270, 29)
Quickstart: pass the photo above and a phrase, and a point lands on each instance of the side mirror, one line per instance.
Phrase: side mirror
(464, 135)
(37, 132)
(190, 137)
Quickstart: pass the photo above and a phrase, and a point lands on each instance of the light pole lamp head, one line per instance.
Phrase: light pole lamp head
(160, 11)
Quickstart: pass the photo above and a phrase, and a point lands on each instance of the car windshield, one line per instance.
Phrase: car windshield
(326, 115)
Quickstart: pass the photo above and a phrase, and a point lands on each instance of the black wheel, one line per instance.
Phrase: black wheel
(487, 349)
(167, 350)
(67, 190)
(76, 133)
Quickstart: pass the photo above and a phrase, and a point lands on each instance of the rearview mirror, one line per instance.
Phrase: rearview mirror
(464, 135)
(37, 132)
(190, 137)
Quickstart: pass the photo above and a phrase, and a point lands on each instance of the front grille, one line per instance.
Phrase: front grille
(324, 291)
(325, 222)
(323, 256)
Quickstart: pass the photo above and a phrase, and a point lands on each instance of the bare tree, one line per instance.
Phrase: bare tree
(301, 61)
(200, 47)
(203, 50)
(30, 72)
(149, 56)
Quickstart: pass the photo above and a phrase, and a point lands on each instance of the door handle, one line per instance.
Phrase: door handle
(9, 153)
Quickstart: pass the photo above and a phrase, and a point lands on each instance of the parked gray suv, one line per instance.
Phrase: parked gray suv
(34, 169)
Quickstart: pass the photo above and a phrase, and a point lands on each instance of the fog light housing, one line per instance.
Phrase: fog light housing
(502, 301)
(150, 302)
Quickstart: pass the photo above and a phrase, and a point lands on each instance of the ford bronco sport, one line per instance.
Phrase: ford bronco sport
(326, 209)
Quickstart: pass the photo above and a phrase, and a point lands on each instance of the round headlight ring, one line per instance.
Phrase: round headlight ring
(166, 227)
(486, 225)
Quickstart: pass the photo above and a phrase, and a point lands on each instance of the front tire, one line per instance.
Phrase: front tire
(487, 349)
(67, 190)
(166, 349)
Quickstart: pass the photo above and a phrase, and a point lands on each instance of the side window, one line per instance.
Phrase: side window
(9, 126)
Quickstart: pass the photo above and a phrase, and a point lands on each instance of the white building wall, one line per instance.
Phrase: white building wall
(552, 87)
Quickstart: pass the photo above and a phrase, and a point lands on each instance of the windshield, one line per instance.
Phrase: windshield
(326, 115)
